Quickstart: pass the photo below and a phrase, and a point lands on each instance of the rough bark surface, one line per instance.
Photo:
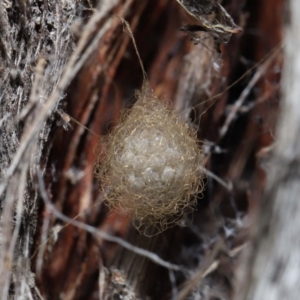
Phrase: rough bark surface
(275, 260)
(67, 68)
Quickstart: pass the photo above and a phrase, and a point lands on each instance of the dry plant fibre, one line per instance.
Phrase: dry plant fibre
(151, 167)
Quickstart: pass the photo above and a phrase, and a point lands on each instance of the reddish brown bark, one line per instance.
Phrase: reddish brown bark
(189, 76)
(95, 98)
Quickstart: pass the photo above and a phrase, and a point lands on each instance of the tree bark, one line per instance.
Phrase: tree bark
(67, 68)
(274, 268)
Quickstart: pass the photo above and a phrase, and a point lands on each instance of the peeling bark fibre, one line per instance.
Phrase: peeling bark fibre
(67, 69)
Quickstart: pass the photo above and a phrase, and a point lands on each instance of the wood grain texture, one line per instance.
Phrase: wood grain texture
(89, 71)
(274, 265)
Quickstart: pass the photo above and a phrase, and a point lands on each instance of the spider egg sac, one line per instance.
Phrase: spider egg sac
(151, 167)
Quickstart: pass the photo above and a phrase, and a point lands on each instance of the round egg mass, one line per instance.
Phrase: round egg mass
(151, 166)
